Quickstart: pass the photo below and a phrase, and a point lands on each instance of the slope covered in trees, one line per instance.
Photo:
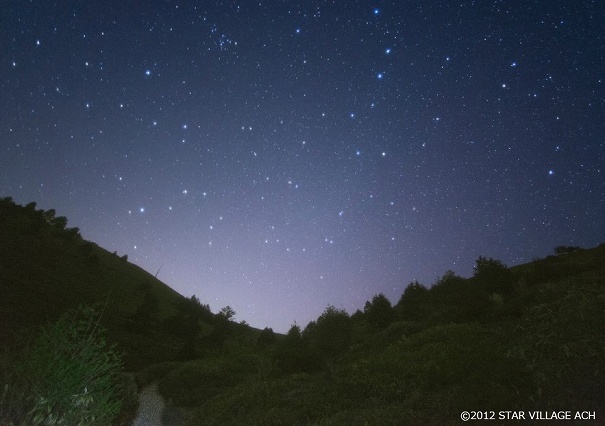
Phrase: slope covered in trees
(530, 337)
(47, 269)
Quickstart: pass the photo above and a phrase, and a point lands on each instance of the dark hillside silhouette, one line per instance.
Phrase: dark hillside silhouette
(525, 337)
(47, 268)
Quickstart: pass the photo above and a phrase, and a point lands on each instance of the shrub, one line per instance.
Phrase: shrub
(67, 375)
(329, 336)
(493, 276)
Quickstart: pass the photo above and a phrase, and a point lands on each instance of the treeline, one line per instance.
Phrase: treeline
(192, 323)
(494, 293)
(530, 335)
(450, 299)
(26, 220)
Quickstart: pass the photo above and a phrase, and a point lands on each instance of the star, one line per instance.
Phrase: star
(292, 129)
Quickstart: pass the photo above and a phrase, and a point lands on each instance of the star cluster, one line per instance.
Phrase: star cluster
(281, 156)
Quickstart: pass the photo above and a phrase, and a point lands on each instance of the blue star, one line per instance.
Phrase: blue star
(387, 50)
(147, 73)
(379, 76)
(376, 11)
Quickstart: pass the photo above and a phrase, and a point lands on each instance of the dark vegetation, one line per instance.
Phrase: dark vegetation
(530, 337)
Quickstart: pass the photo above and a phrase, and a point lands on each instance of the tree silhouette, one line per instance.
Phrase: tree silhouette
(227, 312)
(266, 337)
(379, 312)
(292, 353)
(493, 276)
(413, 302)
(330, 335)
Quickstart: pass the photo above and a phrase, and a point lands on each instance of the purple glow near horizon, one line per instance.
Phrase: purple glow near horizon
(281, 157)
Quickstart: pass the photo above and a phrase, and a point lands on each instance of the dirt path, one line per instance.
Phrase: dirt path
(153, 411)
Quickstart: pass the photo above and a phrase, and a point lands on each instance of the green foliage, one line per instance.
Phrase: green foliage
(47, 269)
(266, 337)
(413, 302)
(190, 383)
(493, 276)
(293, 354)
(330, 335)
(67, 375)
(379, 312)
(536, 346)
(561, 341)
(528, 336)
(566, 249)
(227, 312)
(146, 314)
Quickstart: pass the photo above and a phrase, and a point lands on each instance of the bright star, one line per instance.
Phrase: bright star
(147, 72)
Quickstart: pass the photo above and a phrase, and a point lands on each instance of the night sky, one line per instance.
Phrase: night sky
(280, 156)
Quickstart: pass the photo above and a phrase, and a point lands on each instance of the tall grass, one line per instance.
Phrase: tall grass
(65, 375)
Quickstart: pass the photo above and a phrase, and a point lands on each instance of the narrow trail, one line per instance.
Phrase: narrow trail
(153, 410)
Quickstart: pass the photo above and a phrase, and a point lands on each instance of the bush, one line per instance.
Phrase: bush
(292, 353)
(329, 336)
(493, 276)
(67, 375)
